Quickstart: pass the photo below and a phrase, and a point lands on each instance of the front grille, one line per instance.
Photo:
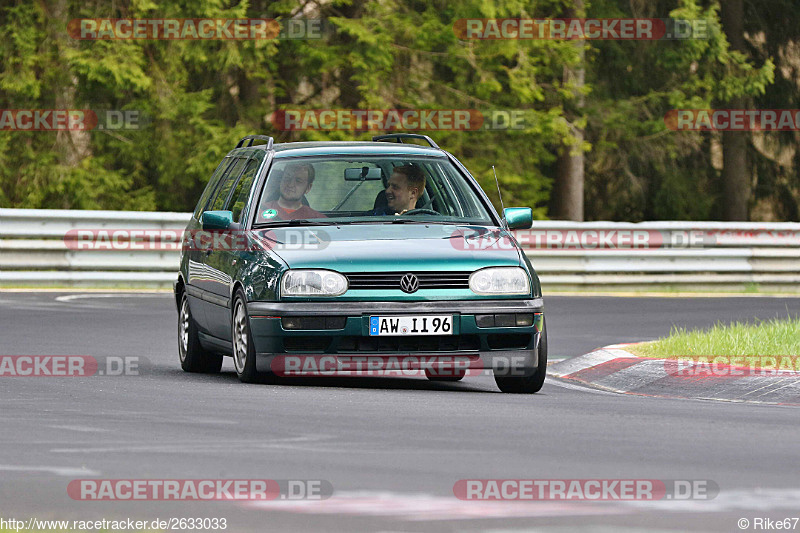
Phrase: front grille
(391, 280)
(427, 343)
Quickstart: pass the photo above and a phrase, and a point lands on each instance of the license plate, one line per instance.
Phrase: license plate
(387, 326)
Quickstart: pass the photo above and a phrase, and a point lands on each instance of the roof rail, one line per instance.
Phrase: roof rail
(398, 137)
(253, 138)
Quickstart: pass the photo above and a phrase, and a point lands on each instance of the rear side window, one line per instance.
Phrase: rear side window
(242, 190)
(212, 185)
(227, 184)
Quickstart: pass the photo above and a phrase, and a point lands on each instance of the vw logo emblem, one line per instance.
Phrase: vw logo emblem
(409, 283)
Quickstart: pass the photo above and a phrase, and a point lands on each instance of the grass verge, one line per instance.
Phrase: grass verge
(765, 344)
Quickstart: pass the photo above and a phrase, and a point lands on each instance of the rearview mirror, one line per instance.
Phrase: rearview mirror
(212, 220)
(362, 174)
(518, 217)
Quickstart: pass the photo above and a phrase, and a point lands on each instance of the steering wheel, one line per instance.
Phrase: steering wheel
(421, 211)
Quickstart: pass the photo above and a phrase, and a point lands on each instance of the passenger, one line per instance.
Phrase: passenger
(296, 182)
(405, 187)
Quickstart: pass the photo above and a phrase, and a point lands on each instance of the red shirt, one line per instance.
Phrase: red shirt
(288, 214)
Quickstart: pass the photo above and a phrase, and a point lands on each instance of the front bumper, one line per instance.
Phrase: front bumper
(494, 348)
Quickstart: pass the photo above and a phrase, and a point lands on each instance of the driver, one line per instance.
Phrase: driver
(296, 181)
(404, 188)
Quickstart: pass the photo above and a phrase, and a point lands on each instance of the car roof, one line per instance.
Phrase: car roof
(298, 149)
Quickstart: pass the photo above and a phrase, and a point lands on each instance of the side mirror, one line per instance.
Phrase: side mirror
(212, 220)
(518, 217)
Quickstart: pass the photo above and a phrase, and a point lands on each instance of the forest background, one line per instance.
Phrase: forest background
(594, 146)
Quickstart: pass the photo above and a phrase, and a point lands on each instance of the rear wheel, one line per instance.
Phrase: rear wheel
(529, 383)
(194, 358)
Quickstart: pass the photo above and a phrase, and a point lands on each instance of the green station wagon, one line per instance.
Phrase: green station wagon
(341, 256)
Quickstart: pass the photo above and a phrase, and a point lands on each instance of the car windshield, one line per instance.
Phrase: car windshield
(353, 189)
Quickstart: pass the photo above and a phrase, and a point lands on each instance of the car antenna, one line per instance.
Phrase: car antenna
(503, 207)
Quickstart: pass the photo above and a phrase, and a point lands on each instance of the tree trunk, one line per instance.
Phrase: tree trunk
(568, 190)
(735, 179)
(74, 145)
(349, 95)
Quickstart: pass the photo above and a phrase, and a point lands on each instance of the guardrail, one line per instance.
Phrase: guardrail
(730, 256)
(36, 250)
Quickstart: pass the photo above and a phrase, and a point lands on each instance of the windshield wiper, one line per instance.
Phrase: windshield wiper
(365, 220)
(399, 220)
(296, 222)
(409, 221)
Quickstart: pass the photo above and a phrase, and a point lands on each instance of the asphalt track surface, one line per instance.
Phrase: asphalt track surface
(392, 448)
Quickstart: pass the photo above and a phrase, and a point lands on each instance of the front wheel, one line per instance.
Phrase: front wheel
(194, 358)
(527, 384)
(244, 351)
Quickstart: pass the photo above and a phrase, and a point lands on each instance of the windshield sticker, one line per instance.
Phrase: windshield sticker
(269, 213)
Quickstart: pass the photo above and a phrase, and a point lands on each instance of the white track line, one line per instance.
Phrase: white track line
(70, 297)
(564, 385)
(58, 470)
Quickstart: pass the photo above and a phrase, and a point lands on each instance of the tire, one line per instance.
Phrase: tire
(193, 357)
(532, 383)
(433, 375)
(243, 348)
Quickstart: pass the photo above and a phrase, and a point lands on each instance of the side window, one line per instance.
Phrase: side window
(212, 184)
(242, 190)
(227, 184)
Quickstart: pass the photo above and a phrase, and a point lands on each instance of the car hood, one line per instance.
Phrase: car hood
(392, 247)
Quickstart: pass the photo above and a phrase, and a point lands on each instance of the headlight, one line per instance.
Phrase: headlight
(313, 283)
(499, 280)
